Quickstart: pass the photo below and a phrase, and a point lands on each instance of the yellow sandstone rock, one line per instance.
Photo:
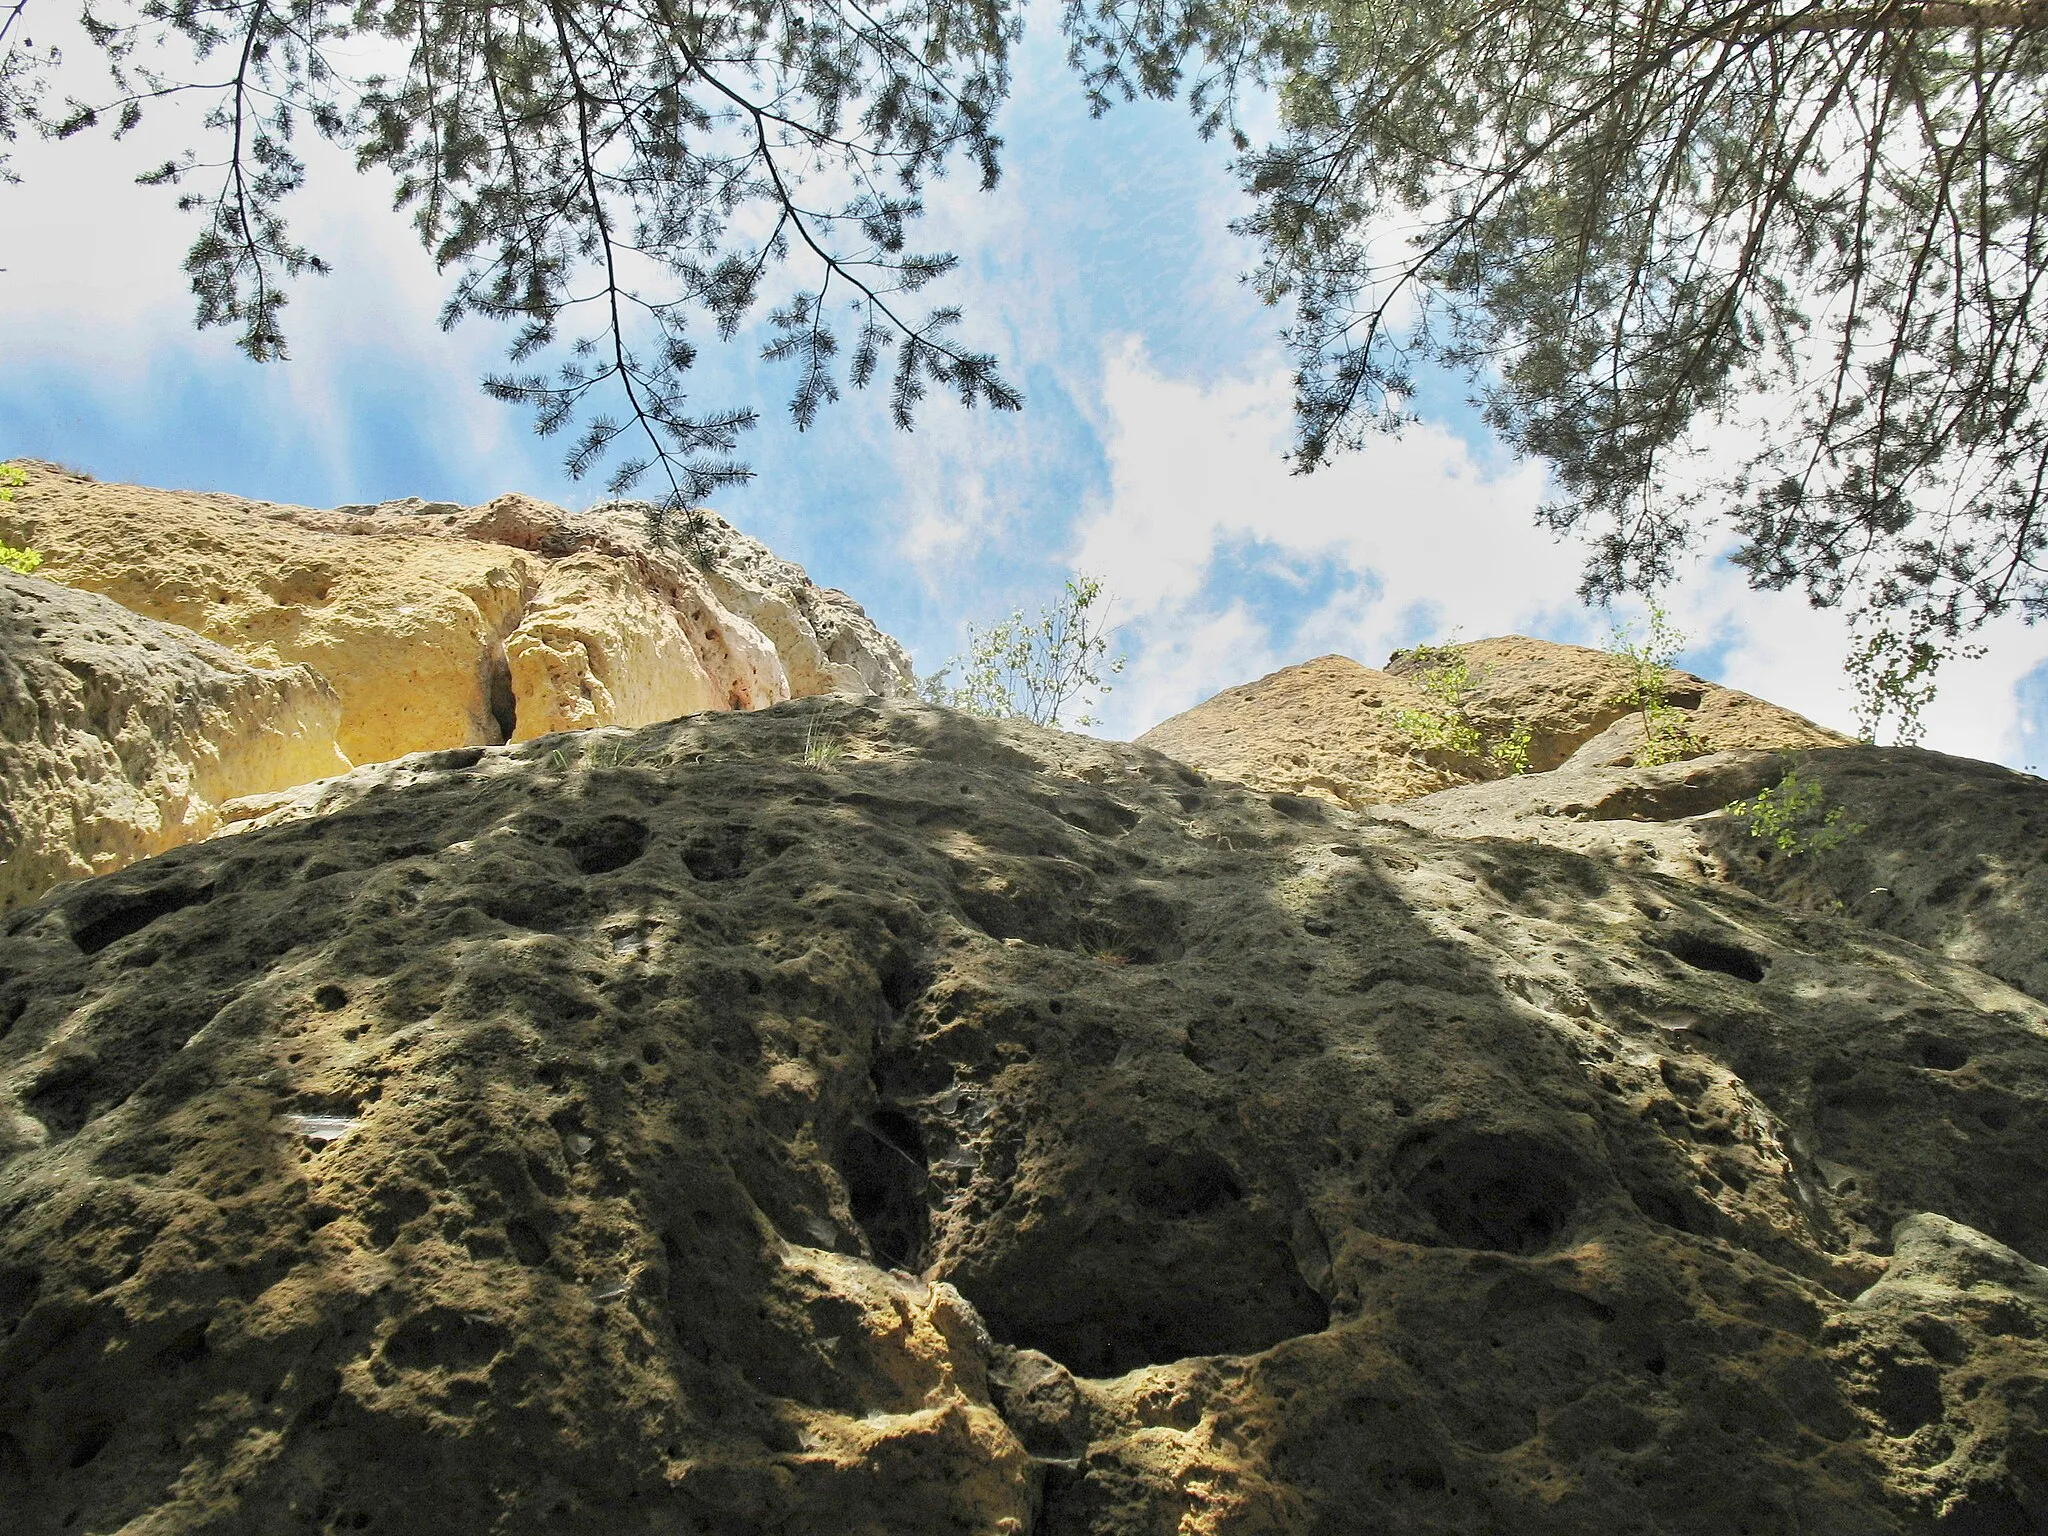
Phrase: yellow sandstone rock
(436, 626)
(123, 736)
(405, 628)
(1332, 727)
(443, 626)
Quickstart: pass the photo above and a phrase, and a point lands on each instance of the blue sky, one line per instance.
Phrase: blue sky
(1103, 273)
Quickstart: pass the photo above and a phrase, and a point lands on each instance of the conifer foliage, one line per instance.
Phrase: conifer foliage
(609, 178)
(1630, 221)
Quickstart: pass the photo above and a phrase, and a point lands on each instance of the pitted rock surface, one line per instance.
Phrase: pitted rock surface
(1946, 851)
(997, 1131)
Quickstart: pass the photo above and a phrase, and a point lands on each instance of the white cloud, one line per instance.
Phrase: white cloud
(1411, 538)
(1432, 539)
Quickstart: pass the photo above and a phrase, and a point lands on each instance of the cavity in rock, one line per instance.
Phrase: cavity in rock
(884, 1168)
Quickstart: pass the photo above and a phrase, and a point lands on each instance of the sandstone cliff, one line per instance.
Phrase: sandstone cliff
(121, 737)
(994, 1131)
(444, 626)
(1331, 728)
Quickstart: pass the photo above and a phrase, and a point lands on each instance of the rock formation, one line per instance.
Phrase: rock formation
(430, 626)
(444, 626)
(994, 1131)
(1947, 852)
(123, 737)
(1331, 727)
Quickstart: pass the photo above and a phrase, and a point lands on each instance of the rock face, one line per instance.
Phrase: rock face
(993, 1131)
(1331, 728)
(443, 626)
(1949, 853)
(121, 737)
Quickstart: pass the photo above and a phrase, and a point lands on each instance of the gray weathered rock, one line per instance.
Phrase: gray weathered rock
(990, 1131)
(1949, 1352)
(1950, 853)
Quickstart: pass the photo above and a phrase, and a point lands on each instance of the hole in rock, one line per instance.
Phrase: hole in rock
(1705, 953)
(1163, 1256)
(901, 984)
(18, 1289)
(186, 1349)
(528, 1246)
(90, 1441)
(884, 1168)
(63, 1097)
(1988, 1510)
(609, 843)
(441, 1337)
(1661, 1207)
(1943, 1055)
(1183, 1183)
(104, 916)
(1510, 1194)
(1907, 1394)
(1144, 928)
(718, 855)
(1299, 808)
(1104, 818)
(329, 998)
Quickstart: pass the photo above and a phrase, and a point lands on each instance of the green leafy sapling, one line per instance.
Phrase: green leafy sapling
(1665, 737)
(1793, 816)
(1892, 672)
(1036, 670)
(12, 559)
(1446, 726)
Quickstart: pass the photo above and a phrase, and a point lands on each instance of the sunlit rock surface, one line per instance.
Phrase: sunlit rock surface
(1945, 851)
(989, 1130)
(121, 737)
(446, 626)
(422, 626)
(1331, 727)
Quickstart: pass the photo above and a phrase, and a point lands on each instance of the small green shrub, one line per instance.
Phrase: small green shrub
(1665, 737)
(12, 559)
(1793, 816)
(1021, 670)
(1447, 678)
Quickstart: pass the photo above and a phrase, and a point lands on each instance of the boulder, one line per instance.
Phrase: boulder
(985, 1129)
(121, 737)
(1332, 727)
(443, 626)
